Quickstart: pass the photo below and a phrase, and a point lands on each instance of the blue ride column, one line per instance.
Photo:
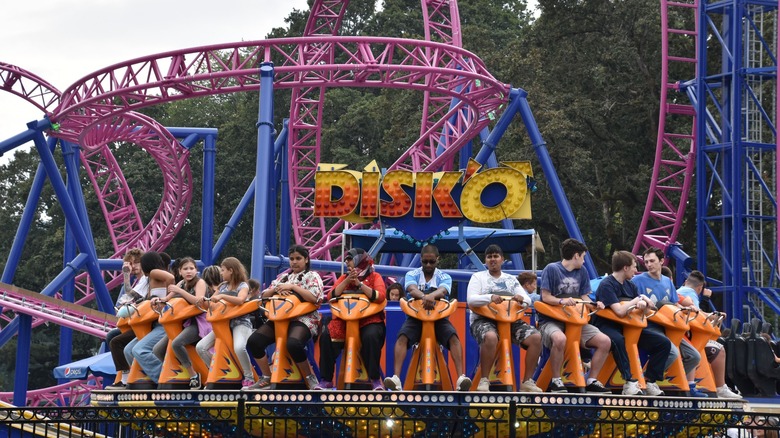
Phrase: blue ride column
(264, 169)
(87, 256)
(207, 212)
(736, 144)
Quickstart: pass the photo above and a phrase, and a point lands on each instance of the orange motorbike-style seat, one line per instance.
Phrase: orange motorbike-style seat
(224, 369)
(173, 375)
(352, 308)
(141, 321)
(574, 318)
(281, 310)
(502, 377)
(633, 324)
(705, 327)
(427, 368)
(674, 320)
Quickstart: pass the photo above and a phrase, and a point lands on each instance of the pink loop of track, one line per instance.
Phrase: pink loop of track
(117, 203)
(113, 194)
(675, 149)
(364, 62)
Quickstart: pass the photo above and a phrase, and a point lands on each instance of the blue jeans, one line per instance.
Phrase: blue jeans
(141, 350)
(128, 351)
(655, 344)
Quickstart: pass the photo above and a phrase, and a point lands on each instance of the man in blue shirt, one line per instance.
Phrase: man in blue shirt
(660, 290)
(428, 284)
(561, 283)
(618, 293)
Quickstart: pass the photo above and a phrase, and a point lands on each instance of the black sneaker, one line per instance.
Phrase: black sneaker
(556, 387)
(118, 386)
(596, 386)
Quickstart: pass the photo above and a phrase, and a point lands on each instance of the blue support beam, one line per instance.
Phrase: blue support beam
(285, 216)
(72, 218)
(207, 253)
(564, 207)
(28, 215)
(263, 169)
(23, 350)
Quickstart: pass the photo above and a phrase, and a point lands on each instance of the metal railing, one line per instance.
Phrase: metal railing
(369, 414)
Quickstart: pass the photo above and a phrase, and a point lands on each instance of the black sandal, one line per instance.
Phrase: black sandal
(195, 381)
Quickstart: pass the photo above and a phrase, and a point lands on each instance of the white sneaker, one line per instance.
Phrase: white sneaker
(652, 389)
(311, 381)
(726, 392)
(530, 386)
(393, 383)
(463, 383)
(632, 388)
(484, 385)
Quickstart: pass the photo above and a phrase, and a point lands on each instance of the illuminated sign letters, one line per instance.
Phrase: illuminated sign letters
(480, 196)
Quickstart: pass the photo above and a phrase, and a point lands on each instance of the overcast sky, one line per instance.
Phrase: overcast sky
(64, 40)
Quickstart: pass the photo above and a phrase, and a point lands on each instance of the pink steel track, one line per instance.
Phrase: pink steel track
(675, 154)
(439, 69)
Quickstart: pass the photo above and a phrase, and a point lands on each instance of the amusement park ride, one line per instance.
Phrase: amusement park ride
(717, 133)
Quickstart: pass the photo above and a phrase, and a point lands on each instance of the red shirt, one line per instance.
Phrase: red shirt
(337, 327)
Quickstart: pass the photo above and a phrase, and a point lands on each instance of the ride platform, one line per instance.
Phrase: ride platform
(429, 413)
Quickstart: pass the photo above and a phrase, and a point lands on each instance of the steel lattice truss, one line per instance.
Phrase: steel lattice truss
(75, 393)
(29, 87)
(116, 201)
(305, 132)
(362, 62)
(84, 320)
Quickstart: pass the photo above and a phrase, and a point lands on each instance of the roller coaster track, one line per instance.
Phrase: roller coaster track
(46, 309)
(362, 62)
(675, 147)
(75, 393)
(441, 21)
(305, 133)
(28, 86)
(116, 201)
(49, 309)
(123, 220)
(227, 68)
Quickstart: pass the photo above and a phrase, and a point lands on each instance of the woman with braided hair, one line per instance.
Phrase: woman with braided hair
(307, 285)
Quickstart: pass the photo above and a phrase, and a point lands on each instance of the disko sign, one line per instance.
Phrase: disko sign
(424, 203)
